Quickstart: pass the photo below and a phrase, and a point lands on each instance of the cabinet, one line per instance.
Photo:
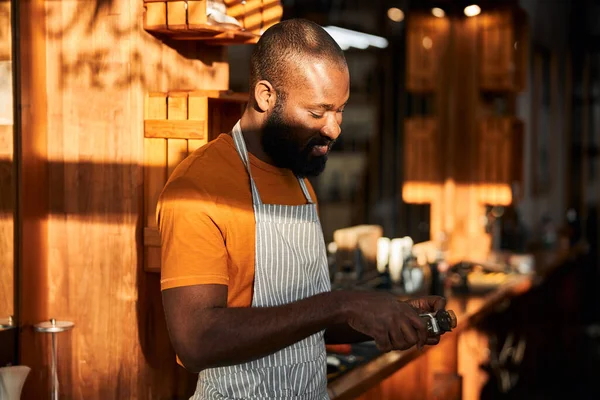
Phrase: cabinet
(424, 42)
(503, 51)
(499, 158)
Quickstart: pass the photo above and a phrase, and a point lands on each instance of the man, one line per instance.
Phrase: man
(245, 280)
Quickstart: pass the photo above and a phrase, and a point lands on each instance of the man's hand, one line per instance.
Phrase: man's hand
(393, 324)
(428, 304)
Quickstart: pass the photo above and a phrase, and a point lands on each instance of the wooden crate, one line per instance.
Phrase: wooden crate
(503, 51)
(499, 158)
(176, 124)
(186, 20)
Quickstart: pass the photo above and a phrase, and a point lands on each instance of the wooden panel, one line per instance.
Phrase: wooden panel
(84, 256)
(5, 31)
(271, 13)
(176, 15)
(176, 117)
(499, 159)
(196, 12)
(156, 15)
(424, 51)
(198, 111)
(7, 208)
(503, 49)
(33, 248)
(177, 110)
(7, 183)
(422, 162)
(174, 130)
(155, 174)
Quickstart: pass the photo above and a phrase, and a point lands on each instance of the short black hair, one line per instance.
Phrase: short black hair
(290, 40)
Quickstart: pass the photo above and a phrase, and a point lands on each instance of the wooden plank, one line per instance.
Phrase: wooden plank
(155, 16)
(272, 12)
(423, 51)
(198, 111)
(177, 110)
(7, 209)
(196, 12)
(177, 151)
(152, 237)
(253, 16)
(422, 152)
(155, 158)
(166, 129)
(222, 95)
(176, 15)
(5, 31)
(33, 250)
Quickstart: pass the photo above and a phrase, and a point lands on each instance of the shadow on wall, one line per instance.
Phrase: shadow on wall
(102, 45)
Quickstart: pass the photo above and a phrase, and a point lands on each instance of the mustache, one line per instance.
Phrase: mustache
(320, 141)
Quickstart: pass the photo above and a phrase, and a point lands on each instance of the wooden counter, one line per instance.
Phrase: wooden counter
(444, 356)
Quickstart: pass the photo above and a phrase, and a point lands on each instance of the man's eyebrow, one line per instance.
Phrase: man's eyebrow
(329, 107)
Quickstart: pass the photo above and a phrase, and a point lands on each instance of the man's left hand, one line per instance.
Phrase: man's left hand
(428, 304)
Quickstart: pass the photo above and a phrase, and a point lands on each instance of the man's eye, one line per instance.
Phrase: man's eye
(316, 116)
(340, 111)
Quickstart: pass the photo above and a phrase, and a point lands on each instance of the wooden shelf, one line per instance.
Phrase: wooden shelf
(177, 123)
(187, 20)
(187, 113)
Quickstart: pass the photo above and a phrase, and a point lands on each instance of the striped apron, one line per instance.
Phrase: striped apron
(290, 264)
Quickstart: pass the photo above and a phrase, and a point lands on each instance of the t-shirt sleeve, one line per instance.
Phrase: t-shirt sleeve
(193, 246)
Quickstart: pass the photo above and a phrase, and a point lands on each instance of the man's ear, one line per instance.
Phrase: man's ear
(265, 95)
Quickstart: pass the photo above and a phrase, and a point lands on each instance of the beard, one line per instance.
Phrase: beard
(280, 141)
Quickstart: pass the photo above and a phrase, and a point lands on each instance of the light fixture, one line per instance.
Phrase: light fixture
(427, 42)
(347, 38)
(438, 12)
(472, 10)
(395, 14)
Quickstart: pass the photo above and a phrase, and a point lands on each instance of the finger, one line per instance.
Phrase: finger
(432, 340)
(439, 303)
(383, 343)
(421, 329)
(409, 335)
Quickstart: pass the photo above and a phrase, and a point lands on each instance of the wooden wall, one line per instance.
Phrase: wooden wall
(93, 63)
(7, 194)
(466, 153)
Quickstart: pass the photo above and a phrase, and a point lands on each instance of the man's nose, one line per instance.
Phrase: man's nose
(331, 129)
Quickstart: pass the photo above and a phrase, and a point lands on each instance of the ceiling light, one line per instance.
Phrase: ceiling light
(427, 42)
(395, 14)
(472, 10)
(438, 12)
(347, 38)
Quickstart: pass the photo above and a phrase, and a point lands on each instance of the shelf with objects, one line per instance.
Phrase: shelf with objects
(175, 125)
(225, 22)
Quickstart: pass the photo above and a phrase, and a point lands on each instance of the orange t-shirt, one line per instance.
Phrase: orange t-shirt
(206, 219)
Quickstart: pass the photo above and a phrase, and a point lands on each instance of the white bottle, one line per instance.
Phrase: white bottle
(12, 380)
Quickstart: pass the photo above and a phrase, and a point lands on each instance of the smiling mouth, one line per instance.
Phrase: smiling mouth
(319, 151)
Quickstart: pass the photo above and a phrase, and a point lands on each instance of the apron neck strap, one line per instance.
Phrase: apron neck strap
(240, 146)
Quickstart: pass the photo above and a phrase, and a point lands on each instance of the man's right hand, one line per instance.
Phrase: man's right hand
(393, 324)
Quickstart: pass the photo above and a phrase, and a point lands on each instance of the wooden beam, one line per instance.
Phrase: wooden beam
(167, 129)
(33, 204)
